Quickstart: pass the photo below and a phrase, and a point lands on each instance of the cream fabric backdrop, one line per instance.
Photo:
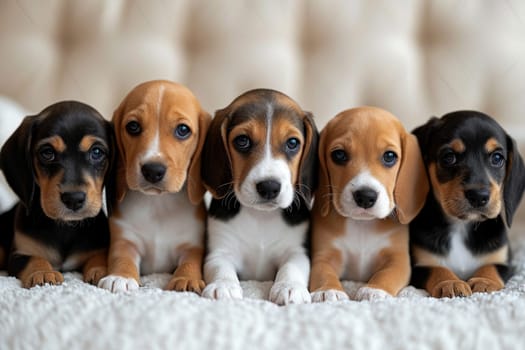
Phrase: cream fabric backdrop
(415, 58)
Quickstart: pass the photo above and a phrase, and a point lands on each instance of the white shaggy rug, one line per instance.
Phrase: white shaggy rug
(76, 315)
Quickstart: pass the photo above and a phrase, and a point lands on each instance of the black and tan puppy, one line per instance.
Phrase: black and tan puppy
(57, 162)
(459, 241)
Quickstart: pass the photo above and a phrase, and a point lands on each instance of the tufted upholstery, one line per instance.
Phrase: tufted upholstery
(415, 58)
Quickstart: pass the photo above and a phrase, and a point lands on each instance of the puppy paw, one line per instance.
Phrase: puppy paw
(451, 289)
(482, 285)
(117, 284)
(223, 290)
(183, 284)
(94, 274)
(39, 278)
(328, 295)
(283, 293)
(369, 293)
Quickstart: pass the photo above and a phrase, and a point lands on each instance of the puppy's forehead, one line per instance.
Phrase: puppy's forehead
(264, 106)
(161, 98)
(363, 126)
(469, 131)
(71, 122)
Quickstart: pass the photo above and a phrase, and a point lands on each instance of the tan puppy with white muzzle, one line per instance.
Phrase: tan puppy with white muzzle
(158, 217)
(372, 183)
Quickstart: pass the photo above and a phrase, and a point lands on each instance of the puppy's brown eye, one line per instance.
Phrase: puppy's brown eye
(133, 128)
(389, 158)
(448, 159)
(292, 145)
(242, 143)
(47, 154)
(182, 131)
(339, 156)
(497, 159)
(97, 154)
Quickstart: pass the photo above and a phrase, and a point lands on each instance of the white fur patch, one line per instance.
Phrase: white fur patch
(380, 210)
(258, 245)
(367, 293)
(328, 295)
(359, 247)
(118, 284)
(157, 225)
(460, 259)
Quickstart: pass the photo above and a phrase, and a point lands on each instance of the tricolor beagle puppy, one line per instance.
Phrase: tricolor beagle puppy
(258, 164)
(57, 162)
(158, 218)
(459, 240)
(372, 183)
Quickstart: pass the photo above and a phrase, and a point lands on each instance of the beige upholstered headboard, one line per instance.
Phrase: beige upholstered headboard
(415, 58)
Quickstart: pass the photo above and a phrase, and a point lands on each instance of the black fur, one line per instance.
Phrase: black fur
(71, 121)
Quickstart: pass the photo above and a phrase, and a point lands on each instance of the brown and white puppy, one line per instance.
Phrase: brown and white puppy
(58, 163)
(259, 165)
(459, 240)
(372, 183)
(158, 216)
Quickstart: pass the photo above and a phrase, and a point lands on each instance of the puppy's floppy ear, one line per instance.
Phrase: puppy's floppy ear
(411, 188)
(309, 159)
(514, 180)
(110, 177)
(16, 161)
(118, 186)
(423, 132)
(216, 170)
(194, 182)
(323, 198)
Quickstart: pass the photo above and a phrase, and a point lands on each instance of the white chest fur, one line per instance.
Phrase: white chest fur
(360, 247)
(158, 224)
(459, 259)
(256, 241)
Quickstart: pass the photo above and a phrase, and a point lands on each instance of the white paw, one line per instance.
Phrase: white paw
(283, 293)
(368, 293)
(117, 284)
(328, 295)
(222, 289)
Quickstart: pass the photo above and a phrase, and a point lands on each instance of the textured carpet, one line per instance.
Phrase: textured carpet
(76, 315)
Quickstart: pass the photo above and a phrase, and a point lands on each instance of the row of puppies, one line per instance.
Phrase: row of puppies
(259, 160)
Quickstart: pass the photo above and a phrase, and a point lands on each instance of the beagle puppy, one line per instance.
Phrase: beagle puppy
(57, 162)
(459, 240)
(158, 215)
(372, 183)
(258, 164)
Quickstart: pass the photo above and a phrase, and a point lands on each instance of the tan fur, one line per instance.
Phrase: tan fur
(96, 266)
(27, 245)
(443, 283)
(365, 134)
(39, 271)
(159, 106)
(486, 279)
(122, 254)
(188, 275)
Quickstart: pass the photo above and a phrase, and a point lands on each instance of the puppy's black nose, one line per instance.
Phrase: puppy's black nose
(73, 200)
(268, 189)
(365, 197)
(153, 172)
(478, 198)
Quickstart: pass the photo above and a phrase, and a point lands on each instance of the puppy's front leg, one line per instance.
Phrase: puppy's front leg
(221, 277)
(290, 286)
(439, 282)
(324, 280)
(392, 274)
(487, 279)
(96, 267)
(123, 267)
(33, 270)
(188, 275)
